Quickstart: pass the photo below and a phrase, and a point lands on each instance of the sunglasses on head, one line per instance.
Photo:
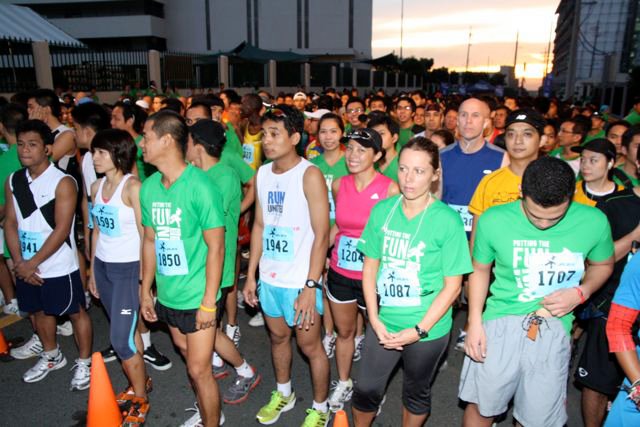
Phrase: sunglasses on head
(277, 112)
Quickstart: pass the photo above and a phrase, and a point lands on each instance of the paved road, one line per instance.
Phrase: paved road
(50, 403)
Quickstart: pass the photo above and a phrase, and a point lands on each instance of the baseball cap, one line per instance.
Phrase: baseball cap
(366, 137)
(142, 104)
(316, 114)
(300, 95)
(597, 114)
(208, 133)
(598, 145)
(527, 116)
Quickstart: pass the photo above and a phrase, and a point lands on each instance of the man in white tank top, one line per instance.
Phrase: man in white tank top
(289, 242)
(39, 229)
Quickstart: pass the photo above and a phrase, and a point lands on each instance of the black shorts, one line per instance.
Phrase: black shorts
(184, 320)
(342, 290)
(597, 368)
(220, 304)
(57, 295)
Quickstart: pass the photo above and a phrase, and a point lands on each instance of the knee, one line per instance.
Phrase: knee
(279, 339)
(122, 347)
(367, 395)
(199, 371)
(346, 332)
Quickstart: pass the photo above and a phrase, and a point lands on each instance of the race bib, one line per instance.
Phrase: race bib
(170, 258)
(30, 243)
(107, 219)
(467, 218)
(277, 243)
(349, 257)
(248, 153)
(90, 221)
(398, 288)
(549, 272)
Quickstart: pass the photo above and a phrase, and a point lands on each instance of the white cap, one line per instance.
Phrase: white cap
(317, 115)
(300, 95)
(142, 104)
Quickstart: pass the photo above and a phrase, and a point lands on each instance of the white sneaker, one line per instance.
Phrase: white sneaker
(31, 348)
(233, 332)
(65, 329)
(460, 341)
(240, 300)
(44, 365)
(81, 376)
(329, 344)
(87, 300)
(11, 307)
(359, 343)
(257, 320)
(341, 393)
(196, 420)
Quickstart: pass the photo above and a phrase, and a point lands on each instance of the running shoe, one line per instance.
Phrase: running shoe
(316, 418)
(240, 299)
(87, 300)
(137, 413)
(359, 343)
(11, 307)
(460, 341)
(233, 332)
(43, 366)
(220, 372)
(329, 344)
(65, 329)
(157, 360)
(341, 393)
(239, 391)
(270, 413)
(257, 320)
(31, 348)
(81, 375)
(109, 354)
(196, 420)
(124, 397)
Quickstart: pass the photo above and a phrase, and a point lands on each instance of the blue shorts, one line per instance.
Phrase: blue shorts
(624, 412)
(57, 295)
(278, 302)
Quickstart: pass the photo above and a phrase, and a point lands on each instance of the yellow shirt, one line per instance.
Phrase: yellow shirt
(499, 187)
(252, 149)
(581, 196)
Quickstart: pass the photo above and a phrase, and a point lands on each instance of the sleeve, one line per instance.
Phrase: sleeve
(456, 247)
(244, 171)
(483, 250)
(628, 292)
(619, 325)
(603, 248)
(370, 243)
(145, 205)
(209, 207)
(477, 205)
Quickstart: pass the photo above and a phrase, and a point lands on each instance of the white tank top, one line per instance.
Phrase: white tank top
(33, 228)
(287, 237)
(63, 163)
(118, 240)
(88, 172)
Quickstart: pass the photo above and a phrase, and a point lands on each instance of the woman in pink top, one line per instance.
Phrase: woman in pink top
(355, 195)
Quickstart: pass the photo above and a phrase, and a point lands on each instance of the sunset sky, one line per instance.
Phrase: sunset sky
(440, 30)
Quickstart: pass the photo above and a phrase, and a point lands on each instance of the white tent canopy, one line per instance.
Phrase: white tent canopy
(22, 23)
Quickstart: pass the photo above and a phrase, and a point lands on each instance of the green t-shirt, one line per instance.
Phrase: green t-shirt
(530, 262)
(431, 245)
(625, 182)
(403, 137)
(233, 142)
(331, 173)
(600, 134)
(145, 170)
(633, 117)
(237, 163)
(179, 215)
(391, 170)
(9, 163)
(228, 184)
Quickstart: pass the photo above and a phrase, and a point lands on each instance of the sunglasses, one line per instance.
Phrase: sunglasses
(277, 112)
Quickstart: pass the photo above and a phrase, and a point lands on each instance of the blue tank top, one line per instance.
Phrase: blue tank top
(462, 172)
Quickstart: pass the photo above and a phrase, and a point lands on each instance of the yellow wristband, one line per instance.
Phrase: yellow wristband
(207, 309)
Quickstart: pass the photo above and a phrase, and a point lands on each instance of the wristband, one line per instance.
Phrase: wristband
(581, 294)
(207, 309)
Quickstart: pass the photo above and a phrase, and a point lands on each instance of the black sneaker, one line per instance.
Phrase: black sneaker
(108, 354)
(157, 360)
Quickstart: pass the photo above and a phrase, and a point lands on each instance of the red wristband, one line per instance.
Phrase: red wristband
(582, 298)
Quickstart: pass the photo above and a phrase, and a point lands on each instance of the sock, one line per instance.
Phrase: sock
(285, 388)
(322, 406)
(244, 370)
(86, 361)
(52, 354)
(216, 360)
(347, 383)
(146, 339)
(14, 301)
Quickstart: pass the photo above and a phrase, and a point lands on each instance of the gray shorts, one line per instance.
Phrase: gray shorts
(533, 373)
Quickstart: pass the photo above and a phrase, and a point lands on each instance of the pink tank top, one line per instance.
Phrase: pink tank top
(352, 213)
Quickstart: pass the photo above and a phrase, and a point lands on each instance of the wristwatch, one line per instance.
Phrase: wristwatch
(310, 283)
(421, 332)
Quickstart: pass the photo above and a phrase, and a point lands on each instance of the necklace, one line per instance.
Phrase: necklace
(393, 210)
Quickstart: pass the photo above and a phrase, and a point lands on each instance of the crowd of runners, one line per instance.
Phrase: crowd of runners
(357, 223)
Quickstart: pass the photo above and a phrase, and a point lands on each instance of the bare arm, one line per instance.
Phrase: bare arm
(214, 238)
(254, 257)
(65, 144)
(475, 344)
(249, 195)
(132, 199)
(148, 274)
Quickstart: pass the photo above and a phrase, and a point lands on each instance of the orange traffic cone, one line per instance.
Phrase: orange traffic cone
(341, 420)
(103, 409)
(4, 347)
